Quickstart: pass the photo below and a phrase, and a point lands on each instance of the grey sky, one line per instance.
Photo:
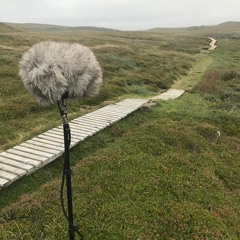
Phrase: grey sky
(121, 14)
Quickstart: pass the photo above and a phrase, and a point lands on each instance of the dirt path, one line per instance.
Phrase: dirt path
(195, 73)
(203, 61)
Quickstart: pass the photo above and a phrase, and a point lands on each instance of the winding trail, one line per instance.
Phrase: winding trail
(212, 44)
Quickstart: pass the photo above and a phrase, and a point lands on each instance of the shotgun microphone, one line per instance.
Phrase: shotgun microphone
(51, 69)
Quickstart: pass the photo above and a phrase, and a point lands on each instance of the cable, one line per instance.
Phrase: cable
(64, 210)
(67, 141)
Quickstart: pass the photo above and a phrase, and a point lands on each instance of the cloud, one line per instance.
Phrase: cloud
(124, 14)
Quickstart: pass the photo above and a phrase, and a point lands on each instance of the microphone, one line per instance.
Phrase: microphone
(52, 72)
(51, 69)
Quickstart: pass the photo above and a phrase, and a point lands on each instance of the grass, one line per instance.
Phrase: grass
(171, 172)
(174, 179)
(134, 64)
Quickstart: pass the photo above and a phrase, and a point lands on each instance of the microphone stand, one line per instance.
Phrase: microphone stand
(67, 172)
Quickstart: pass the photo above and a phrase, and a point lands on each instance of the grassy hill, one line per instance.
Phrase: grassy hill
(223, 29)
(170, 172)
(4, 28)
(35, 27)
(230, 29)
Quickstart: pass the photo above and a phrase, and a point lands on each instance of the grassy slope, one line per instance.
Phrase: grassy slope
(159, 174)
(134, 64)
(35, 27)
(231, 29)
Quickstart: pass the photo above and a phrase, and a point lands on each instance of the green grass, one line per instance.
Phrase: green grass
(175, 178)
(134, 64)
(171, 172)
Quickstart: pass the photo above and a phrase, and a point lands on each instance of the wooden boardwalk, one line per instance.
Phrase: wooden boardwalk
(33, 154)
(212, 44)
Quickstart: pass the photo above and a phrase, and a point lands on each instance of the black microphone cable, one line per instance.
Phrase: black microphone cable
(67, 142)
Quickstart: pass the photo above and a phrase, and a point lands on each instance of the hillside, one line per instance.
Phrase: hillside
(223, 29)
(35, 27)
(4, 28)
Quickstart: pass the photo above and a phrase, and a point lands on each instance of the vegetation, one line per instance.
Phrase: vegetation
(134, 64)
(171, 172)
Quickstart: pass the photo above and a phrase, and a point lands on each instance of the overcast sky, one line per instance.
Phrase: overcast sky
(121, 14)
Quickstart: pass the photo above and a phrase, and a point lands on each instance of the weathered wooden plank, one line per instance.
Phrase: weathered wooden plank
(22, 159)
(85, 126)
(3, 182)
(82, 128)
(26, 155)
(33, 151)
(96, 122)
(170, 94)
(106, 115)
(110, 120)
(8, 176)
(81, 133)
(46, 144)
(89, 124)
(58, 129)
(52, 143)
(48, 138)
(117, 109)
(53, 132)
(16, 164)
(40, 148)
(11, 169)
(99, 119)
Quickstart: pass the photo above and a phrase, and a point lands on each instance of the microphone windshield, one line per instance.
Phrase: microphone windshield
(50, 69)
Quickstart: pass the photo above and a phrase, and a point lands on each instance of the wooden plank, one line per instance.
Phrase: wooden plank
(52, 143)
(50, 134)
(40, 148)
(132, 102)
(103, 118)
(92, 121)
(55, 140)
(78, 135)
(43, 143)
(56, 131)
(118, 109)
(10, 169)
(53, 133)
(82, 128)
(16, 164)
(85, 126)
(170, 94)
(26, 155)
(8, 176)
(109, 115)
(80, 132)
(22, 159)
(3, 182)
(33, 151)
(88, 124)
(59, 129)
